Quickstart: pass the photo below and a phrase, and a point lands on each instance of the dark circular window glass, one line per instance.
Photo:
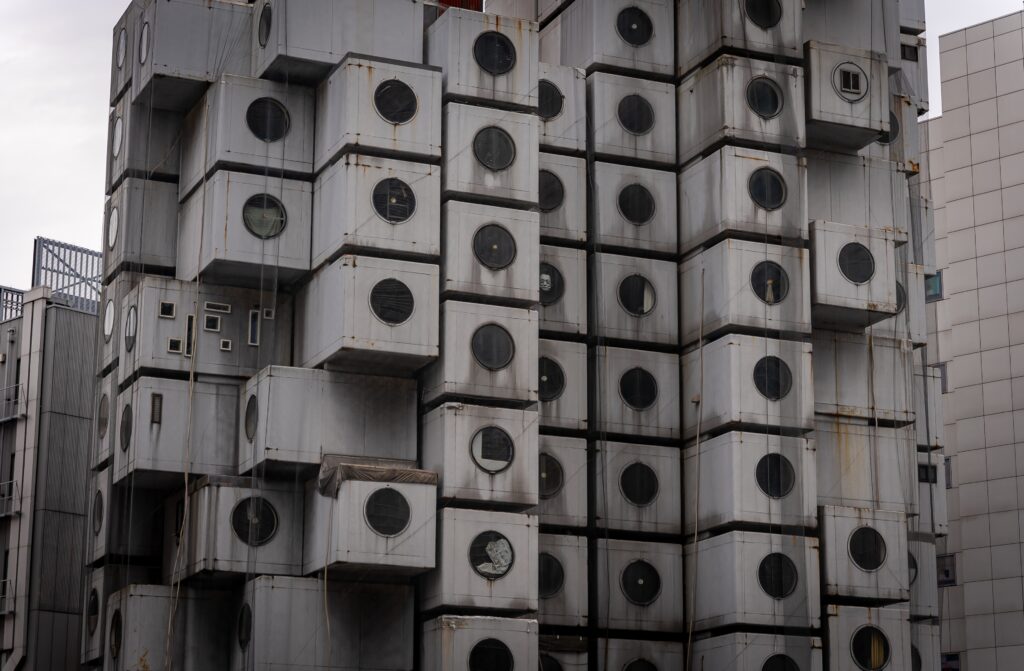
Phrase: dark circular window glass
(131, 328)
(550, 576)
(494, 246)
(552, 191)
(391, 301)
(108, 320)
(912, 567)
(641, 583)
(492, 449)
(550, 100)
(244, 626)
(493, 347)
(775, 475)
(901, 297)
(490, 654)
(264, 216)
(770, 282)
(915, 658)
(115, 634)
(254, 521)
(636, 203)
(125, 432)
(780, 663)
(494, 52)
(268, 119)
(634, 26)
(494, 148)
(767, 189)
(92, 611)
(894, 130)
(870, 648)
(113, 226)
(640, 665)
(764, 97)
(491, 555)
(639, 484)
(777, 575)
(765, 14)
(144, 43)
(395, 101)
(252, 416)
(122, 47)
(103, 416)
(549, 663)
(867, 549)
(266, 17)
(387, 512)
(856, 263)
(637, 296)
(552, 379)
(638, 388)
(97, 513)
(773, 378)
(118, 137)
(393, 200)
(636, 114)
(552, 284)
(552, 477)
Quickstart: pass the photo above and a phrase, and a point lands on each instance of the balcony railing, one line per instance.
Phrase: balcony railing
(6, 597)
(10, 498)
(12, 403)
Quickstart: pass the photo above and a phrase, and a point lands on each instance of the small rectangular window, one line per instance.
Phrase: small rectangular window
(174, 345)
(908, 52)
(167, 310)
(190, 328)
(946, 565)
(222, 308)
(211, 323)
(927, 473)
(268, 314)
(933, 287)
(951, 661)
(156, 409)
(225, 345)
(943, 377)
(254, 327)
(849, 81)
(179, 520)
(947, 466)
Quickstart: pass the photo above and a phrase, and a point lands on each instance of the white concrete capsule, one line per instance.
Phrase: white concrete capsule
(925, 644)
(863, 377)
(140, 228)
(924, 595)
(645, 587)
(758, 652)
(635, 208)
(871, 26)
(865, 638)
(931, 495)
(112, 295)
(562, 107)
(638, 487)
(858, 191)
(638, 393)
(902, 144)
(562, 580)
(637, 299)
(562, 464)
(105, 425)
(847, 96)
(562, 197)
(456, 642)
(912, 16)
(562, 385)
(122, 58)
(631, 118)
(910, 322)
(100, 584)
(563, 290)
(615, 653)
(114, 536)
(864, 555)
(142, 142)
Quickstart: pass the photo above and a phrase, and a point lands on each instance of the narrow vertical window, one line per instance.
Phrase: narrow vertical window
(190, 330)
(156, 409)
(254, 327)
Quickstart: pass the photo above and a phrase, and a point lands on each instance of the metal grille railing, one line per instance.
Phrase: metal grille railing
(74, 274)
(10, 496)
(10, 303)
(12, 403)
(6, 596)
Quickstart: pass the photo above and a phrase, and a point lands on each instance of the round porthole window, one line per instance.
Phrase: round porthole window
(772, 378)
(634, 26)
(115, 141)
(894, 130)
(244, 626)
(777, 575)
(850, 81)
(770, 282)
(775, 475)
(636, 203)
(92, 611)
(252, 417)
(254, 521)
(764, 97)
(552, 477)
(867, 549)
(551, 191)
(870, 648)
(391, 301)
(113, 226)
(901, 297)
(639, 484)
(780, 663)
(552, 379)
(549, 663)
(764, 14)
(122, 48)
(131, 328)
(268, 119)
(491, 555)
(395, 101)
(490, 654)
(640, 665)
(638, 388)
(550, 576)
(97, 513)
(103, 417)
(115, 634)
(264, 216)
(912, 567)
(108, 320)
(125, 430)
(636, 114)
(767, 189)
(637, 295)
(550, 100)
(494, 52)
(494, 148)
(494, 247)
(387, 512)
(856, 263)
(641, 583)
(552, 285)
(266, 21)
(493, 347)
(144, 43)
(492, 449)
(393, 200)
(915, 658)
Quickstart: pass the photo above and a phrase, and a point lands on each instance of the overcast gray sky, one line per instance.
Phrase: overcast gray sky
(55, 58)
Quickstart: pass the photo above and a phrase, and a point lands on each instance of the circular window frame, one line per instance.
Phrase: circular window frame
(373, 206)
(366, 514)
(511, 564)
(510, 44)
(113, 227)
(115, 634)
(788, 465)
(774, 85)
(369, 303)
(625, 593)
(263, 28)
(888, 645)
(657, 485)
(275, 517)
(628, 220)
(788, 388)
(785, 281)
(657, 389)
(272, 200)
(508, 136)
(561, 188)
(511, 238)
(479, 433)
(131, 328)
(108, 320)
(561, 371)
(97, 511)
(874, 264)
(117, 137)
(252, 405)
(782, 180)
(561, 106)
(416, 100)
(144, 43)
(654, 293)
(556, 273)
(796, 576)
(274, 102)
(121, 52)
(124, 431)
(561, 476)
(103, 416)
(244, 632)
(836, 83)
(654, 115)
(561, 583)
(469, 655)
(512, 355)
(746, 14)
(884, 546)
(623, 37)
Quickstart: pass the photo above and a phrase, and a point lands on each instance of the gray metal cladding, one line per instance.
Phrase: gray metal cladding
(57, 585)
(60, 463)
(68, 382)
